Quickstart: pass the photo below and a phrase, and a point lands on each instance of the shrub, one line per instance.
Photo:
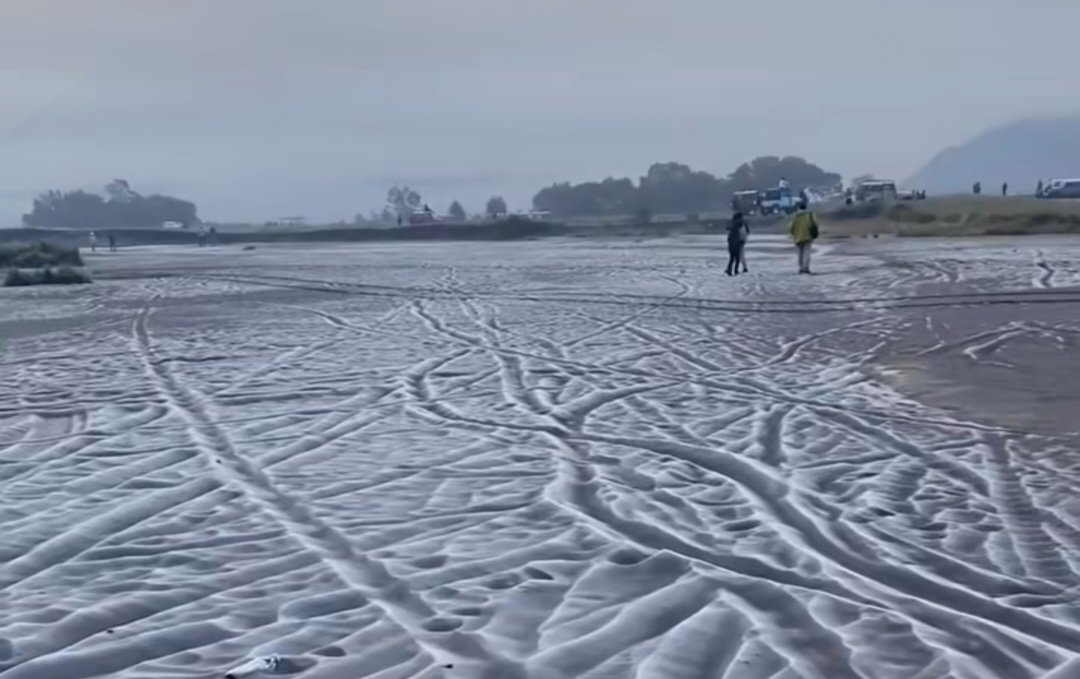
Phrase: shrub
(65, 275)
(17, 278)
(37, 255)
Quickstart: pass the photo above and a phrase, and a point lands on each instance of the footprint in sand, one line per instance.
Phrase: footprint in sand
(433, 561)
(441, 624)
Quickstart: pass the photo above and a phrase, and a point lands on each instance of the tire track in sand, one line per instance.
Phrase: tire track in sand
(1038, 551)
(1046, 279)
(439, 637)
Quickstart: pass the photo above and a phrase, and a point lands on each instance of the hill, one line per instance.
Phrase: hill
(1019, 153)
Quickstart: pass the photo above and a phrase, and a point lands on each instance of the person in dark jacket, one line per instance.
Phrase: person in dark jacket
(738, 231)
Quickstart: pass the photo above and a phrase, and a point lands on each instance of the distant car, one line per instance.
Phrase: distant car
(876, 189)
(1061, 188)
(778, 200)
(422, 217)
(745, 202)
(173, 225)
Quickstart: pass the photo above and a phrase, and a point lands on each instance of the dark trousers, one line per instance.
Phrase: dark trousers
(735, 257)
(804, 255)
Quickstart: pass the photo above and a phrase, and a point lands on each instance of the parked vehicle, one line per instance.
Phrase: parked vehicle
(876, 189)
(423, 215)
(746, 202)
(778, 200)
(534, 215)
(1061, 188)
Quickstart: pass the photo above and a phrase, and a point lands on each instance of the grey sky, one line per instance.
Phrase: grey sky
(264, 108)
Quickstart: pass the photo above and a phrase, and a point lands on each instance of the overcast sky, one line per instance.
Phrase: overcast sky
(257, 109)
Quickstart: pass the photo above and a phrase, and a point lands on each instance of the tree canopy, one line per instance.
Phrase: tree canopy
(122, 208)
(456, 211)
(403, 201)
(496, 205)
(674, 187)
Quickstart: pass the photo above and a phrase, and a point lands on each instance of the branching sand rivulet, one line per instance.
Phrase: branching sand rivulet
(550, 459)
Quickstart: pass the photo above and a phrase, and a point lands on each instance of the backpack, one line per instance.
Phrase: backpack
(737, 229)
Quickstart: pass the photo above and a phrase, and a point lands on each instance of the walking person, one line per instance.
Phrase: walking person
(93, 242)
(804, 231)
(738, 231)
(1005, 189)
(112, 242)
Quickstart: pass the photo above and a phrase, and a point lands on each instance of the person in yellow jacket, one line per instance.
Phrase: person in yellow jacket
(804, 231)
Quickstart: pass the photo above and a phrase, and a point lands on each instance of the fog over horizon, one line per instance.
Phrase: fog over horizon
(259, 109)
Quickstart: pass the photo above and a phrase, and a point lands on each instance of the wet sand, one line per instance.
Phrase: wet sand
(1013, 366)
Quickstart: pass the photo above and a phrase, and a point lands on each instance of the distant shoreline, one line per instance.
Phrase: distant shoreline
(949, 216)
(483, 231)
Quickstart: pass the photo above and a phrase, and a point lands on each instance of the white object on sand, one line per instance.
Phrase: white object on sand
(267, 663)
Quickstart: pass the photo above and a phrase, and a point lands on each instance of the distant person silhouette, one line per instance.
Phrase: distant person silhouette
(804, 231)
(738, 231)
(1004, 189)
(112, 243)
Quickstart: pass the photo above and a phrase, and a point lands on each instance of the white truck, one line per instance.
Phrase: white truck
(778, 200)
(876, 189)
(1061, 188)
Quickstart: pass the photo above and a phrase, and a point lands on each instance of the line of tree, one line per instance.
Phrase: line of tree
(403, 201)
(120, 207)
(677, 188)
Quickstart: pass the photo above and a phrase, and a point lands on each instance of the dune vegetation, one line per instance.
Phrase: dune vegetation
(41, 264)
(957, 216)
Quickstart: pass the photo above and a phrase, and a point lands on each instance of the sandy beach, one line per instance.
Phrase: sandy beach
(550, 459)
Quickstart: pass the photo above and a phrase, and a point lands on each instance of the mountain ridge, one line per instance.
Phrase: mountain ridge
(1020, 153)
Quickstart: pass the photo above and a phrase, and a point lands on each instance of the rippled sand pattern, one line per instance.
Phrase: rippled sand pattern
(543, 460)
